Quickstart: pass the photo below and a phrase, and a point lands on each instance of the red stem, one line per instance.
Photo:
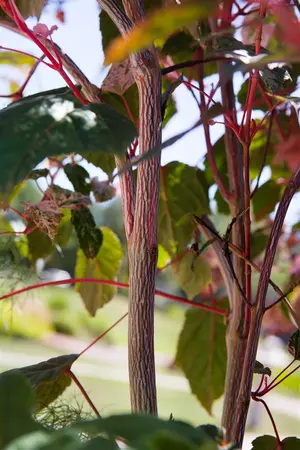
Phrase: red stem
(175, 298)
(260, 384)
(271, 108)
(12, 10)
(283, 370)
(103, 334)
(174, 261)
(271, 418)
(127, 109)
(39, 59)
(82, 390)
(268, 389)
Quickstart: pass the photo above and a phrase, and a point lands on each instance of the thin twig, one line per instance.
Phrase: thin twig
(118, 284)
(266, 149)
(271, 418)
(240, 254)
(82, 390)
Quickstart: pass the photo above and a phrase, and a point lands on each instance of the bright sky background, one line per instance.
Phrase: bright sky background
(80, 38)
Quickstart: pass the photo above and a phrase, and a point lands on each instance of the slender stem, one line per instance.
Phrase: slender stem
(127, 109)
(260, 385)
(210, 152)
(272, 420)
(174, 260)
(243, 398)
(268, 388)
(280, 373)
(92, 93)
(204, 224)
(159, 293)
(271, 108)
(103, 334)
(82, 390)
(235, 337)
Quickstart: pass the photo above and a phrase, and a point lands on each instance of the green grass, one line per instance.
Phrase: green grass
(70, 315)
(113, 396)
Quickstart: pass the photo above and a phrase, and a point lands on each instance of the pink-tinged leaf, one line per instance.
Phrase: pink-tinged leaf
(249, 30)
(119, 78)
(40, 29)
(288, 30)
(288, 151)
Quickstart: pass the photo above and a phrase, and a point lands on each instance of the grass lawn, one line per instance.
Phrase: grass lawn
(112, 396)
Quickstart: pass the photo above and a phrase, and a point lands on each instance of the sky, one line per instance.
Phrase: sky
(80, 38)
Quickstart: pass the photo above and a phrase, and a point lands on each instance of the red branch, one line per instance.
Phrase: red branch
(272, 386)
(82, 390)
(175, 298)
(12, 11)
(103, 334)
(279, 445)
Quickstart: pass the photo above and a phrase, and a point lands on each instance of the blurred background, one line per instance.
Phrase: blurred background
(50, 321)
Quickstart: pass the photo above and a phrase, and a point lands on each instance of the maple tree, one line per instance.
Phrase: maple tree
(169, 220)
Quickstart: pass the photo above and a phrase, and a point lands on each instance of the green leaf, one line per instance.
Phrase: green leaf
(273, 75)
(65, 439)
(28, 8)
(265, 199)
(163, 257)
(53, 123)
(89, 236)
(78, 176)
(261, 369)
(294, 345)
(137, 429)
(102, 160)
(222, 205)
(106, 266)
(296, 227)
(39, 440)
(216, 433)
(257, 149)
(258, 101)
(65, 230)
(131, 97)
(193, 274)
(291, 443)
(156, 26)
(39, 243)
(164, 440)
(47, 378)
(178, 201)
(170, 106)
(181, 47)
(16, 59)
(267, 442)
(259, 241)
(220, 160)
(16, 407)
(38, 173)
(201, 353)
